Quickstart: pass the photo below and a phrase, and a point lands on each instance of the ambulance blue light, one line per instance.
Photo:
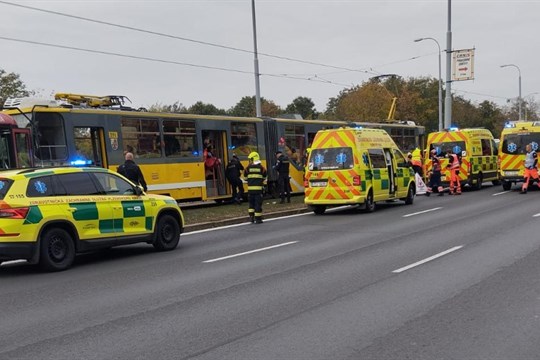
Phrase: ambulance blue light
(80, 162)
(454, 128)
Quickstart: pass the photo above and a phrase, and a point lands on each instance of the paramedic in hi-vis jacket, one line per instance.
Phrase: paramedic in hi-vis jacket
(255, 174)
(531, 170)
(454, 164)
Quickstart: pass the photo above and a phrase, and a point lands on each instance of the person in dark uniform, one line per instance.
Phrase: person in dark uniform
(255, 174)
(284, 183)
(435, 177)
(132, 171)
(232, 173)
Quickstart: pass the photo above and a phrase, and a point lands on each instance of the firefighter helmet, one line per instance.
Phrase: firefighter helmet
(254, 156)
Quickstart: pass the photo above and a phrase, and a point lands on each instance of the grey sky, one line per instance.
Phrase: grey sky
(376, 36)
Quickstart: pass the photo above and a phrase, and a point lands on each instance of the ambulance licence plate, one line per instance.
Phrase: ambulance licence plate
(319, 183)
(511, 173)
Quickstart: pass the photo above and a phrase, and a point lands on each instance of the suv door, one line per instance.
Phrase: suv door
(87, 206)
(132, 213)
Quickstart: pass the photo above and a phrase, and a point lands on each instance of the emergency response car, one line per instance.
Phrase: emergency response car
(48, 215)
(514, 137)
(477, 150)
(355, 166)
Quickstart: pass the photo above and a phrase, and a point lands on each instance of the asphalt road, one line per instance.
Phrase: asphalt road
(453, 277)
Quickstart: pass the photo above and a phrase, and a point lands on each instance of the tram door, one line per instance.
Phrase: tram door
(23, 145)
(15, 148)
(89, 145)
(214, 155)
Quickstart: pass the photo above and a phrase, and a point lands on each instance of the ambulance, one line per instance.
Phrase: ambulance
(356, 166)
(475, 147)
(514, 137)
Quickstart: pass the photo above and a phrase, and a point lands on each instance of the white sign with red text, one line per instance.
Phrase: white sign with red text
(463, 65)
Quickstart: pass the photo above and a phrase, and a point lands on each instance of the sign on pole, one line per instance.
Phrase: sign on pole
(463, 65)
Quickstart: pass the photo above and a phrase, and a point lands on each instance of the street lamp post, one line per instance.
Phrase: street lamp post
(519, 97)
(440, 81)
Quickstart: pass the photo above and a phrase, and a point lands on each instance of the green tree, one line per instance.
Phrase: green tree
(303, 106)
(11, 86)
(246, 108)
(201, 108)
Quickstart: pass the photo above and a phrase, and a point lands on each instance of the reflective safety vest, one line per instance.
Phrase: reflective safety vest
(255, 173)
(530, 160)
(436, 164)
(454, 165)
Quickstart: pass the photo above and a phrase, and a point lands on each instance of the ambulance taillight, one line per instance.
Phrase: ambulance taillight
(357, 181)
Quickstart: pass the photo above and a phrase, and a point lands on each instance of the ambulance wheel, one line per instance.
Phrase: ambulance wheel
(507, 185)
(410, 196)
(479, 181)
(319, 209)
(167, 233)
(369, 203)
(57, 250)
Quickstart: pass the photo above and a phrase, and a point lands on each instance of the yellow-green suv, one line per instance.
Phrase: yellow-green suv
(48, 215)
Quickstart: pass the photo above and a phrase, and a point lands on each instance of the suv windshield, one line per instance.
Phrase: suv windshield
(331, 159)
(515, 143)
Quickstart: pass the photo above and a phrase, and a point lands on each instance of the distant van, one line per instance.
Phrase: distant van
(476, 149)
(514, 137)
(351, 166)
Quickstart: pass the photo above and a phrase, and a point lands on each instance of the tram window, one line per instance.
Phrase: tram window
(52, 138)
(243, 138)
(295, 142)
(179, 138)
(142, 136)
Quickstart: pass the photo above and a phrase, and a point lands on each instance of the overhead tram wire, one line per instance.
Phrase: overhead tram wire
(136, 57)
(183, 38)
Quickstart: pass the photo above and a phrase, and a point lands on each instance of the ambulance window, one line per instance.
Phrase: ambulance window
(494, 147)
(78, 184)
(377, 158)
(39, 187)
(113, 185)
(400, 159)
(486, 147)
(331, 159)
(5, 184)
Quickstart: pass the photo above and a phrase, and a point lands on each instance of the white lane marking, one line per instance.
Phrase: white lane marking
(250, 252)
(536, 215)
(241, 224)
(427, 259)
(504, 192)
(422, 212)
(11, 262)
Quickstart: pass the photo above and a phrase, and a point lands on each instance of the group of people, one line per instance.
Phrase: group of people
(435, 181)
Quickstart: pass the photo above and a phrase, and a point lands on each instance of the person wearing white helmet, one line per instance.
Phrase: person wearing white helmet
(255, 174)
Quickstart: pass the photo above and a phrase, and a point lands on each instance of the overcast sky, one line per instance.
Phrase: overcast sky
(366, 37)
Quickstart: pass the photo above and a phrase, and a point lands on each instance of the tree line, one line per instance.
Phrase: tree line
(416, 99)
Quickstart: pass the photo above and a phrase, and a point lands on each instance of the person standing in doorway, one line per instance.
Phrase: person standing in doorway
(284, 183)
(255, 174)
(132, 171)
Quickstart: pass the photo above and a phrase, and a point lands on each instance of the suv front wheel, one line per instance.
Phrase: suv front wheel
(167, 233)
(57, 250)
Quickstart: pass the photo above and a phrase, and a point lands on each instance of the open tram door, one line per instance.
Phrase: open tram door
(90, 145)
(214, 157)
(15, 145)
